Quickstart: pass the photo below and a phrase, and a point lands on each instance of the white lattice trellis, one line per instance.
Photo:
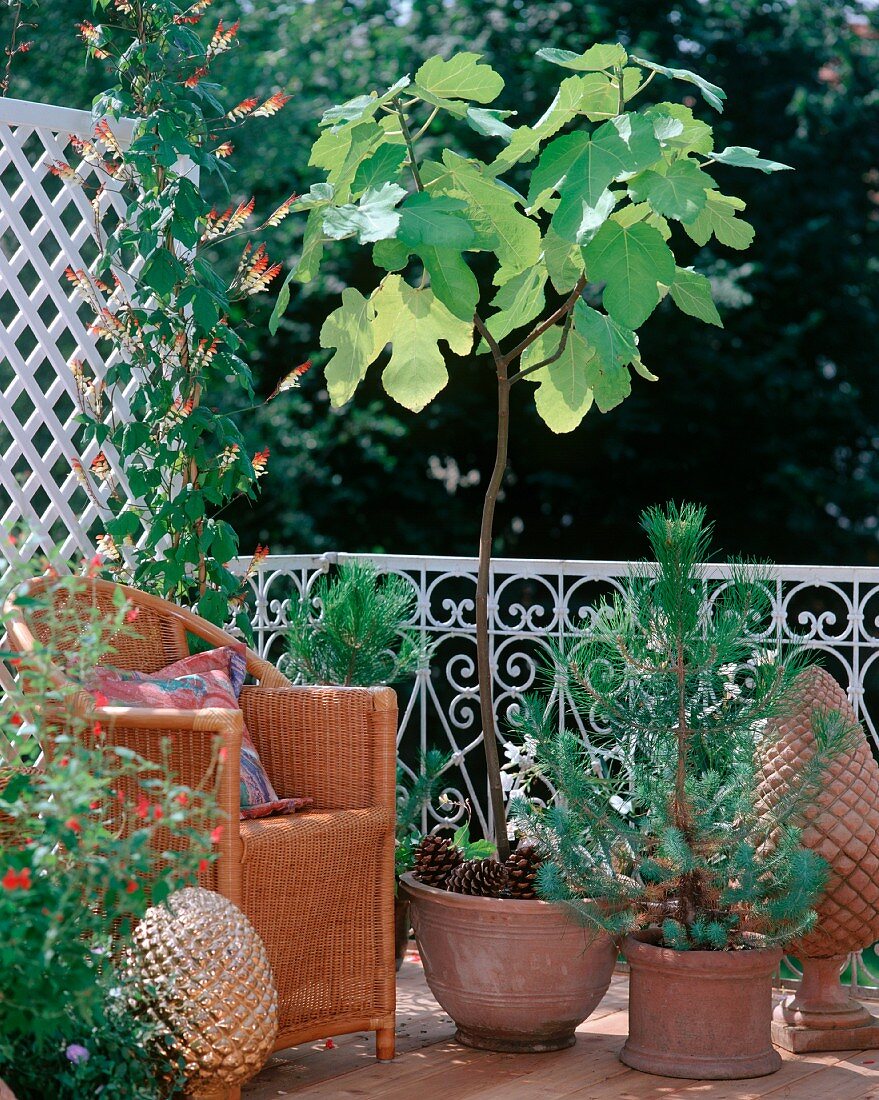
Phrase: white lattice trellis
(45, 226)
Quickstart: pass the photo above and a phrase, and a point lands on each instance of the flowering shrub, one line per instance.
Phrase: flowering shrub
(85, 846)
(164, 471)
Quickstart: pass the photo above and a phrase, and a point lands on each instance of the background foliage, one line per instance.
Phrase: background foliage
(771, 422)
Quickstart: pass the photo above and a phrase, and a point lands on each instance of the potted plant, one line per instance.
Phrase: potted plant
(575, 256)
(660, 829)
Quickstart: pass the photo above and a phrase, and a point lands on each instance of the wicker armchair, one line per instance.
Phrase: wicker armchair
(319, 885)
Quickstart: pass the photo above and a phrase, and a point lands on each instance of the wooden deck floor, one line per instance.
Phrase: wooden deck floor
(430, 1064)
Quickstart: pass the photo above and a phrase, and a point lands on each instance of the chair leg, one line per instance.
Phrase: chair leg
(385, 1041)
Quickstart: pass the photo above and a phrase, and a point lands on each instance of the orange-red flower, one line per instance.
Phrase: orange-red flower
(260, 462)
(243, 108)
(73, 825)
(216, 833)
(224, 150)
(100, 467)
(272, 105)
(17, 880)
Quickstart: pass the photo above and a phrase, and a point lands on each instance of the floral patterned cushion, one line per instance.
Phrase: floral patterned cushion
(210, 679)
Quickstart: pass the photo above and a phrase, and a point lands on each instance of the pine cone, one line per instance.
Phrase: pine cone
(484, 878)
(522, 868)
(435, 859)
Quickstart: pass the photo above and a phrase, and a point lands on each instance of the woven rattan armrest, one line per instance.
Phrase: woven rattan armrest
(193, 740)
(332, 744)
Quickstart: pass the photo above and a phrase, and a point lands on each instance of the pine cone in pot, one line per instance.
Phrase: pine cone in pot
(522, 866)
(435, 859)
(484, 878)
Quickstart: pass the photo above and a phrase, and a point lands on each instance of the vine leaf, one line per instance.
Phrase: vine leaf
(691, 292)
(461, 77)
(633, 261)
(413, 322)
(349, 329)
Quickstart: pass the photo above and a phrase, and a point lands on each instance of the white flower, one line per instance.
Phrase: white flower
(513, 754)
(508, 781)
(444, 800)
(731, 690)
(622, 806)
(766, 657)
(727, 672)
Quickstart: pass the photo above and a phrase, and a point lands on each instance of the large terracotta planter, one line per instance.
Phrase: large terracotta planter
(700, 1014)
(513, 975)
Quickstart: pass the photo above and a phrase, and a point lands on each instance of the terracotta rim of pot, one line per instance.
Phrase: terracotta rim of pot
(745, 962)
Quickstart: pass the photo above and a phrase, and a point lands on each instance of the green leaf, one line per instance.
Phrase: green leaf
(312, 247)
(489, 122)
(204, 309)
(518, 302)
(413, 322)
(743, 157)
(341, 152)
(451, 280)
(691, 293)
(390, 254)
(632, 261)
(581, 168)
(615, 348)
(349, 329)
(719, 218)
(526, 140)
(595, 58)
(435, 220)
(601, 97)
(382, 167)
(563, 396)
(162, 272)
(710, 92)
(461, 77)
(501, 227)
(213, 606)
(362, 106)
(563, 259)
(679, 191)
(373, 218)
(676, 127)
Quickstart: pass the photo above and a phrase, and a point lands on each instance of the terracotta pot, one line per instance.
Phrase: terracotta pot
(401, 929)
(699, 1014)
(513, 975)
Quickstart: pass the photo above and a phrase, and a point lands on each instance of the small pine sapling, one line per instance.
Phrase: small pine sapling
(659, 822)
(352, 630)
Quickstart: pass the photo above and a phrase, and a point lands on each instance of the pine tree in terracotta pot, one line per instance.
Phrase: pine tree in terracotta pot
(544, 254)
(660, 829)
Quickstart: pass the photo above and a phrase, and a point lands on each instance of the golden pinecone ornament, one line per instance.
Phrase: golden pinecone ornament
(842, 826)
(205, 974)
(484, 878)
(435, 859)
(522, 866)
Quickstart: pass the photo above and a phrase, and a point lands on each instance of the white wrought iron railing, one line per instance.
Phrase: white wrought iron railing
(531, 604)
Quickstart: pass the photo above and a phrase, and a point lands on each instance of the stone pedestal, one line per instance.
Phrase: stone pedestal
(821, 1015)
